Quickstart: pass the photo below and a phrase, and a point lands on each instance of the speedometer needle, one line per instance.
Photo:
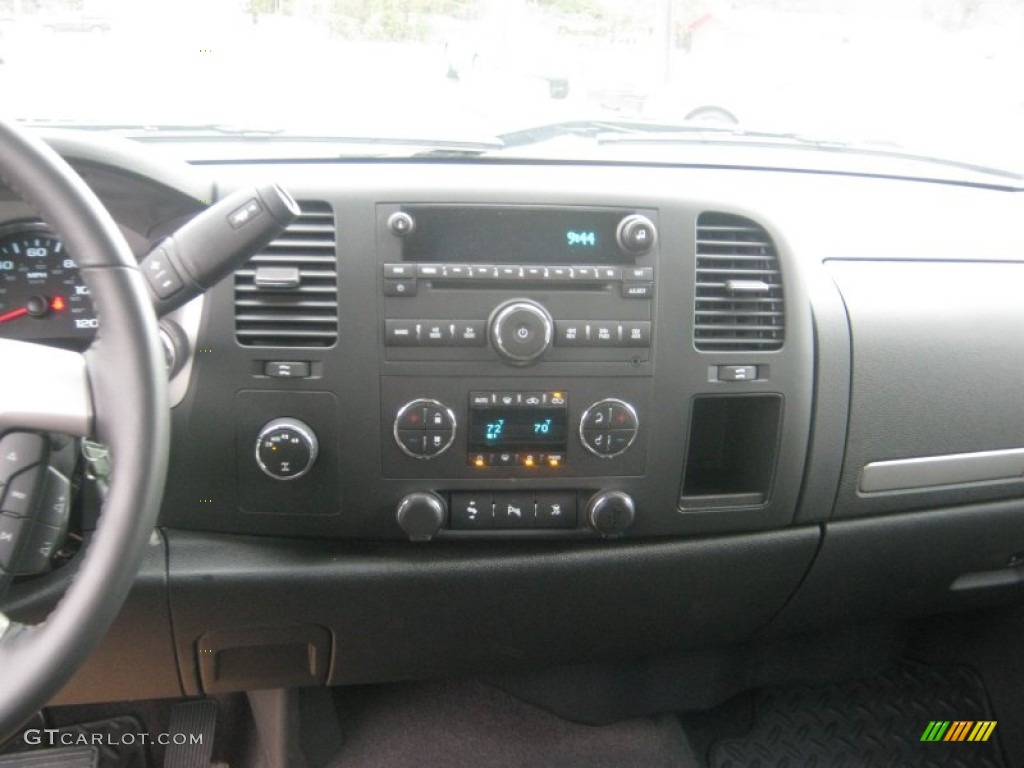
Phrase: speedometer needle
(14, 314)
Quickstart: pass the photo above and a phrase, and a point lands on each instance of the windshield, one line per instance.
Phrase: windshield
(939, 78)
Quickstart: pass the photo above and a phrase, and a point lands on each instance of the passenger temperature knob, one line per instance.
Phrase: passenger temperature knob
(286, 449)
(610, 513)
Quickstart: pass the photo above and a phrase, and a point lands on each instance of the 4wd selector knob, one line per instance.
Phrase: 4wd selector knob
(521, 331)
(286, 449)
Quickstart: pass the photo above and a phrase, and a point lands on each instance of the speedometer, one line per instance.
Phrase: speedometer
(42, 296)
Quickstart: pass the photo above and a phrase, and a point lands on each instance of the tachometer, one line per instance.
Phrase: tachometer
(42, 296)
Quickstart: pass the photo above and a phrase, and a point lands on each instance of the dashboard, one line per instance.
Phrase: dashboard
(607, 410)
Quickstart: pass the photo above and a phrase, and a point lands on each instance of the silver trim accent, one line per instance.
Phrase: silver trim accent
(44, 388)
(935, 471)
(5, 624)
(421, 402)
(609, 401)
(499, 316)
(307, 434)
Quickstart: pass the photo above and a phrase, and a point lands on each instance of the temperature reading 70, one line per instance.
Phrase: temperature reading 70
(542, 427)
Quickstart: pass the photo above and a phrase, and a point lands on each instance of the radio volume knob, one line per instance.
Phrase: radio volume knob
(521, 331)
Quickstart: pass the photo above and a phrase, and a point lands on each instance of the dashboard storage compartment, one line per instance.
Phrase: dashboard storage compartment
(731, 456)
(935, 406)
(273, 657)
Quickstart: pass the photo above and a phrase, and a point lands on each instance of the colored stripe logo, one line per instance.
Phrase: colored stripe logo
(958, 730)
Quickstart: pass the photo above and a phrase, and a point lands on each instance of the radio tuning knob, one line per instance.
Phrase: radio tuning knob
(636, 234)
(421, 515)
(610, 513)
(521, 331)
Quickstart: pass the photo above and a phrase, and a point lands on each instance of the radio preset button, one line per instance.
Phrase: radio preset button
(584, 273)
(510, 272)
(609, 273)
(429, 270)
(535, 273)
(560, 273)
(456, 271)
(484, 271)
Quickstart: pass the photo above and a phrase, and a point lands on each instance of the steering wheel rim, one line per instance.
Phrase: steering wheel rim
(117, 391)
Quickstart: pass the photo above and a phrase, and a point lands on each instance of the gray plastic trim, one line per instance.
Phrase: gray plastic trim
(932, 471)
(44, 388)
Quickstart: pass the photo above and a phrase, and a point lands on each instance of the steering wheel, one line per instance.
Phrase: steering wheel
(117, 391)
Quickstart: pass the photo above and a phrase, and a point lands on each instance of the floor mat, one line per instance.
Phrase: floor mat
(877, 722)
(463, 725)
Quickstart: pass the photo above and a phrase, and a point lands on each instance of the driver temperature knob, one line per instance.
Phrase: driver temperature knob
(521, 331)
(286, 449)
(421, 515)
(610, 513)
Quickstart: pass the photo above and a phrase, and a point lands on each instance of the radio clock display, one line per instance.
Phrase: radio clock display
(581, 238)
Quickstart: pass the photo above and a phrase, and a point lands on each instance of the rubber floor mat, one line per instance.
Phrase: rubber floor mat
(877, 722)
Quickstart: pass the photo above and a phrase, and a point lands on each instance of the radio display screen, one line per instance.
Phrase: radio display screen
(501, 428)
(525, 235)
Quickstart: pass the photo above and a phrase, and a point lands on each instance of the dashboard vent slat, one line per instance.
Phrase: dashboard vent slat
(305, 315)
(732, 250)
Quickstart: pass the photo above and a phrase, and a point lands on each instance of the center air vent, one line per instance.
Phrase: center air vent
(287, 294)
(738, 303)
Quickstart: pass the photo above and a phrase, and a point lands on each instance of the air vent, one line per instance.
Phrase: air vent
(287, 294)
(739, 287)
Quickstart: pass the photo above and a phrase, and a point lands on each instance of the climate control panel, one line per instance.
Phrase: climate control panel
(438, 429)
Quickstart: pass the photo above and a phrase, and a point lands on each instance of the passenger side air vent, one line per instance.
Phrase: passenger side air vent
(738, 303)
(287, 294)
